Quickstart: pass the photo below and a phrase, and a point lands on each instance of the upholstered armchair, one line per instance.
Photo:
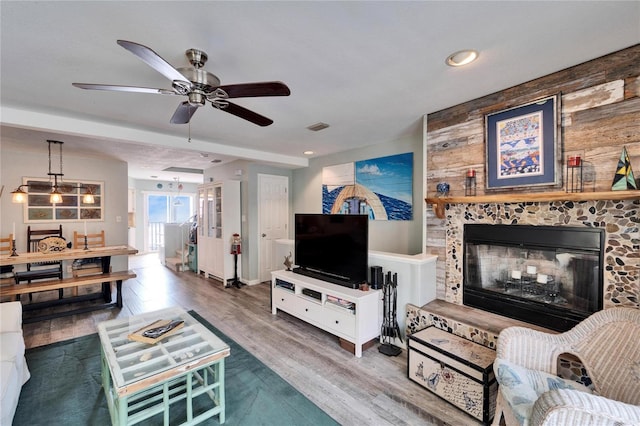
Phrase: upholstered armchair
(608, 346)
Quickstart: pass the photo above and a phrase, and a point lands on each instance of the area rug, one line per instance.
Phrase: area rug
(66, 389)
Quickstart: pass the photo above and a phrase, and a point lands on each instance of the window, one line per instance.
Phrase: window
(166, 208)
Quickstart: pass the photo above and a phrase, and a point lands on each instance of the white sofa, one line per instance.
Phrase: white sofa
(13, 365)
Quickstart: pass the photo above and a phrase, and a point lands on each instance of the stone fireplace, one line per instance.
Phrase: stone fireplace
(545, 275)
(619, 220)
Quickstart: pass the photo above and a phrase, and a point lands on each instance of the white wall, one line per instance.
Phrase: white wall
(305, 196)
(403, 237)
(14, 165)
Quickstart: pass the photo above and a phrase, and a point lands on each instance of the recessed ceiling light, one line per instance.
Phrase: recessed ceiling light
(462, 57)
(308, 153)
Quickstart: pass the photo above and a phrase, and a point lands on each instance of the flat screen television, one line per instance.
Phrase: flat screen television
(332, 247)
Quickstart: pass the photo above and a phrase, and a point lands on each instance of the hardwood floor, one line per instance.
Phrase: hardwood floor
(372, 390)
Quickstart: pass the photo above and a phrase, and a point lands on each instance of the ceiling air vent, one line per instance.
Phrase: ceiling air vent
(183, 170)
(318, 126)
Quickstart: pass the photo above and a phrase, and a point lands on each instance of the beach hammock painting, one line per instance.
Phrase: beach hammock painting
(381, 188)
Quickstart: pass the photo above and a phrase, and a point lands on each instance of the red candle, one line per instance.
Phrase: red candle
(471, 173)
(574, 161)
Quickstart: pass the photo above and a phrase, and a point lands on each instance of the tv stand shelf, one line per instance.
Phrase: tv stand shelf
(353, 315)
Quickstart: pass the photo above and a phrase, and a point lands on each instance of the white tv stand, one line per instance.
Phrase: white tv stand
(353, 315)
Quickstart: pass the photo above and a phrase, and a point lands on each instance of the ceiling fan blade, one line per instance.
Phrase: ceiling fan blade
(154, 60)
(123, 88)
(247, 90)
(242, 112)
(183, 113)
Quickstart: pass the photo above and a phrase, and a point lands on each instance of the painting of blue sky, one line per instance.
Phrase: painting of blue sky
(380, 187)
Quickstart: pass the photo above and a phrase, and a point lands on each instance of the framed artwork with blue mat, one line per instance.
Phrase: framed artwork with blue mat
(523, 146)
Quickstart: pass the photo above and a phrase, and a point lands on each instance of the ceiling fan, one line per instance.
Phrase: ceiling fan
(198, 85)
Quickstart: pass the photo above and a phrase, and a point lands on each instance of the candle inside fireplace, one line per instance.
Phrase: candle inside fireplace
(531, 270)
(516, 275)
(542, 278)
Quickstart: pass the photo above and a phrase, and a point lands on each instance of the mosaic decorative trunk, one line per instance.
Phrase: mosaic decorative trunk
(455, 369)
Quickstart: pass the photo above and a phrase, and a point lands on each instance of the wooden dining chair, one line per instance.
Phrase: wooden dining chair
(93, 240)
(40, 270)
(89, 266)
(6, 272)
(5, 245)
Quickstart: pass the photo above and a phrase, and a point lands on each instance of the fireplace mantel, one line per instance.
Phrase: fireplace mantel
(438, 203)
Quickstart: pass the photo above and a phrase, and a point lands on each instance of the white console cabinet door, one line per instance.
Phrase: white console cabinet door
(358, 325)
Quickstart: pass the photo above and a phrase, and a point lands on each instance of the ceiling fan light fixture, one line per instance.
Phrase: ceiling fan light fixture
(462, 57)
(196, 99)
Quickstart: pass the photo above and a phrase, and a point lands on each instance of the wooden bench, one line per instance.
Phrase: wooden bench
(104, 279)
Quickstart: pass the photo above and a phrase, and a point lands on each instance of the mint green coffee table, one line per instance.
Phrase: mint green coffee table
(142, 380)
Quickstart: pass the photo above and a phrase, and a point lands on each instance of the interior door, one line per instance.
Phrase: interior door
(273, 219)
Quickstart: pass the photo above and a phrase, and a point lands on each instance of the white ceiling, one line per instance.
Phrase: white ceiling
(369, 69)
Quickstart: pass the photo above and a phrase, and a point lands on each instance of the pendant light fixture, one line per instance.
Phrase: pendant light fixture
(55, 196)
(177, 201)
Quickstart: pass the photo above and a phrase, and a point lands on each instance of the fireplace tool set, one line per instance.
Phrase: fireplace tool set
(390, 328)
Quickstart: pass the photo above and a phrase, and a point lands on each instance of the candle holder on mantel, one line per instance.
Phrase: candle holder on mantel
(13, 248)
(470, 183)
(574, 173)
(86, 246)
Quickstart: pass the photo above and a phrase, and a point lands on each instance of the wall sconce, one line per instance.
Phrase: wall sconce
(55, 197)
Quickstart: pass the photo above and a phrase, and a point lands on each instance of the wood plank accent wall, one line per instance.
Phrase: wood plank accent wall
(600, 114)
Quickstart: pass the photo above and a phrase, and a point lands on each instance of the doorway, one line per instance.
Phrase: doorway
(273, 220)
(161, 208)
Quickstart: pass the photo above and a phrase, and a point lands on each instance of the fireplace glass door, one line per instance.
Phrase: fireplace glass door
(550, 276)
